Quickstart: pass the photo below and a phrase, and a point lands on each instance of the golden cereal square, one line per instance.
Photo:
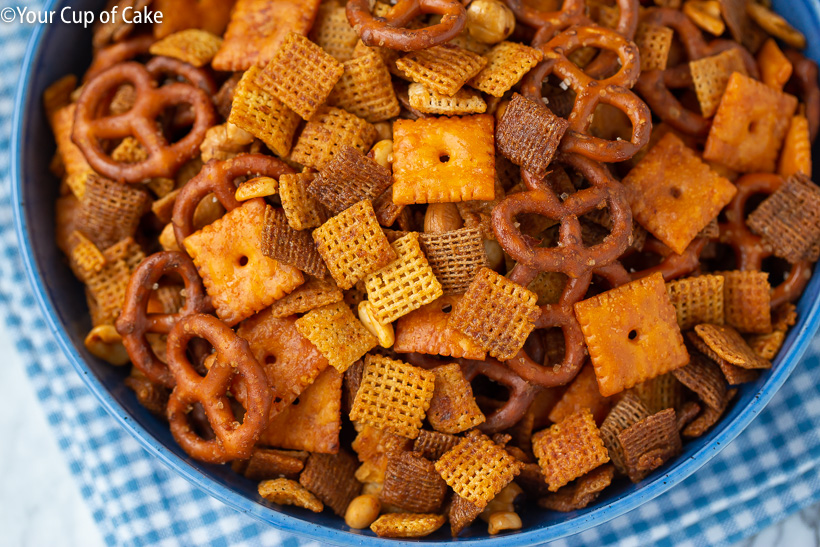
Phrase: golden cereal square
(747, 300)
(77, 169)
(110, 211)
(507, 63)
(453, 408)
(427, 101)
(337, 334)
(353, 245)
(654, 43)
(444, 68)
(193, 46)
(632, 334)
(393, 396)
(750, 125)
(313, 294)
(258, 27)
(263, 115)
(403, 285)
(332, 31)
(407, 525)
(439, 160)
(302, 211)
(327, 133)
(301, 75)
(711, 76)
(673, 194)
(365, 89)
(697, 299)
(477, 469)
(425, 330)
(239, 278)
(209, 15)
(496, 313)
(288, 492)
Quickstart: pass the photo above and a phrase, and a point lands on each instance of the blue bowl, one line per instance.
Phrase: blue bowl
(59, 49)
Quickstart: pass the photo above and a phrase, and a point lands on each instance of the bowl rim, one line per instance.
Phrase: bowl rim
(675, 474)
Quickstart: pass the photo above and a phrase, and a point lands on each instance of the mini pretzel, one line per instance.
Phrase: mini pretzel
(91, 126)
(570, 256)
(750, 249)
(590, 92)
(234, 364)
(167, 66)
(135, 321)
(117, 53)
(218, 177)
(522, 393)
(672, 265)
(390, 32)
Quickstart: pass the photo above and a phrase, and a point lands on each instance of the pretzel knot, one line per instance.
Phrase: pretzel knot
(234, 364)
(750, 249)
(126, 50)
(390, 32)
(561, 315)
(672, 265)
(92, 126)
(590, 92)
(217, 178)
(135, 322)
(570, 256)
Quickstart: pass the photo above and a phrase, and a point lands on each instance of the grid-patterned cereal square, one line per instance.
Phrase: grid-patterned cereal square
(84, 258)
(110, 211)
(407, 525)
(507, 63)
(365, 89)
(193, 46)
(650, 443)
(734, 374)
(443, 160)
(789, 220)
(749, 127)
(209, 15)
(747, 300)
(660, 392)
(288, 492)
(302, 211)
(627, 411)
(258, 27)
(327, 133)
(330, 477)
(465, 101)
(456, 257)
(569, 449)
(301, 75)
(405, 284)
(77, 168)
(349, 178)
(711, 76)
(263, 115)
(313, 294)
(425, 330)
(654, 43)
(433, 444)
(393, 396)
(268, 463)
(707, 418)
(477, 469)
(453, 408)
(462, 513)
(632, 334)
(444, 68)
(337, 333)
(529, 133)
(332, 31)
(704, 378)
(411, 483)
(730, 346)
(312, 421)
(697, 300)
(496, 313)
(239, 278)
(581, 493)
(673, 194)
(353, 245)
(288, 246)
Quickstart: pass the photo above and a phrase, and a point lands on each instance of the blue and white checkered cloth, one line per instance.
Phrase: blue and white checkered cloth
(770, 471)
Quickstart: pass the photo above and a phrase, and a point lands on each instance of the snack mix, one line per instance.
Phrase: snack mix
(421, 262)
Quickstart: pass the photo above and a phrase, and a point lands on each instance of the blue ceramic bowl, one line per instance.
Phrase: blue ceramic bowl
(58, 49)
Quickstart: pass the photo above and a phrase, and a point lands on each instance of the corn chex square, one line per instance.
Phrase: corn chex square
(337, 334)
(365, 89)
(327, 133)
(507, 63)
(444, 68)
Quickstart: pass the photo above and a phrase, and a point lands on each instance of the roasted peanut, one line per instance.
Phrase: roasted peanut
(442, 217)
(382, 331)
(362, 511)
(382, 152)
(503, 520)
(489, 21)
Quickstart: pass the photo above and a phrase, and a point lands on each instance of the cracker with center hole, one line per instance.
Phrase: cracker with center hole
(650, 443)
(632, 334)
(349, 178)
(629, 410)
(456, 256)
(507, 63)
(393, 396)
(697, 300)
(333, 33)
(582, 393)
(289, 492)
(193, 46)
(407, 525)
(84, 258)
(477, 469)
(291, 362)
(439, 160)
(734, 374)
(353, 245)
(444, 68)
(528, 134)
(730, 346)
(313, 294)
(403, 285)
(267, 463)
(412, 484)
(673, 194)
(301, 75)
(240, 279)
(654, 43)
(302, 211)
(708, 418)
(580, 493)
(464, 101)
(110, 211)
(330, 130)
(747, 300)
(433, 444)
(711, 76)
(704, 378)
(263, 115)
(749, 126)
(789, 220)
(288, 246)
(330, 478)
(453, 408)
(337, 334)
(365, 89)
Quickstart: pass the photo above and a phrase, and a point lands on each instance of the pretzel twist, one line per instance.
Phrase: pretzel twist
(127, 50)
(92, 126)
(672, 265)
(135, 322)
(234, 360)
(390, 32)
